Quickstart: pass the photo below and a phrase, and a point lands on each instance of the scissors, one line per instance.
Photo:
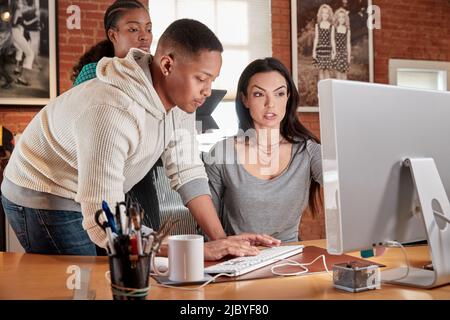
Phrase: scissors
(159, 236)
(106, 227)
(101, 224)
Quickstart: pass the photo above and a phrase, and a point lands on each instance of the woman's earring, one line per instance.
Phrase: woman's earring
(166, 73)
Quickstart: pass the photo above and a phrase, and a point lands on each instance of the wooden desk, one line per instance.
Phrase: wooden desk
(29, 276)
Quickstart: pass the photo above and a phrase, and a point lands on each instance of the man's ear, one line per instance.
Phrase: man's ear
(166, 64)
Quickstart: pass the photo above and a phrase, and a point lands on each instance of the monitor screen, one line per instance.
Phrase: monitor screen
(367, 131)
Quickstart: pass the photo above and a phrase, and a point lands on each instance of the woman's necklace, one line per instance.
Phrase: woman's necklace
(267, 152)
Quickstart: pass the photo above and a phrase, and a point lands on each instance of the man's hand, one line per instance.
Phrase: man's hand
(239, 245)
(256, 239)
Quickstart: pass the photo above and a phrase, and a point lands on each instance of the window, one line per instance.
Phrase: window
(243, 27)
(433, 75)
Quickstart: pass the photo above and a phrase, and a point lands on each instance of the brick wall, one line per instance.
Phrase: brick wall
(281, 31)
(411, 29)
(71, 45)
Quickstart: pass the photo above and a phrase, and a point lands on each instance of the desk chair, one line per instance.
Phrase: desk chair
(170, 204)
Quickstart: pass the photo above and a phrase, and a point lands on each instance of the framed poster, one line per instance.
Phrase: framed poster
(330, 39)
(28, 72)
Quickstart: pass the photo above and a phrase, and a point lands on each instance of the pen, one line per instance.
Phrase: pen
(148, 245)
(106, 227)
(109, 216)
(118, 219)
(123, 216)
(136, 220)
(111, 237)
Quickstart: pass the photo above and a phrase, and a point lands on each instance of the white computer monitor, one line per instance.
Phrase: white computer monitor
(367, 132)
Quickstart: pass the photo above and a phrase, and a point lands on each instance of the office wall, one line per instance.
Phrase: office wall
(411, 29)
(71, 45)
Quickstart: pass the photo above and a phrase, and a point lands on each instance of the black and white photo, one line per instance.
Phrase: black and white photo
(27, 52)
(331, 39)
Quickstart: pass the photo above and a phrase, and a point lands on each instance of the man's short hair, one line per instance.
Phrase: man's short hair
(190, 37)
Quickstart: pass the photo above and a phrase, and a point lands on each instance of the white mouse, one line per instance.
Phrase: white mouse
(162, 263)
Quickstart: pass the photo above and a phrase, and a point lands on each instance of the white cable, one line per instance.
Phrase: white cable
(395, 244)
(196, 288)
(440, 215)
(290, 263)
(108, 278)
(301, 265)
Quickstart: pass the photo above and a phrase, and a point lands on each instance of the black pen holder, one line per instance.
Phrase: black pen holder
(129, 276)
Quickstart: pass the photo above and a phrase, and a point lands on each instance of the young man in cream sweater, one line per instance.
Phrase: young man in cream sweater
(97, 140)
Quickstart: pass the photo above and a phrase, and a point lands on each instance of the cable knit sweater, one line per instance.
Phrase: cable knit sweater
(97, 140)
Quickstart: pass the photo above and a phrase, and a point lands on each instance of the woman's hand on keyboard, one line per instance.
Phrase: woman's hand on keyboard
(256, 239)
(239, 245)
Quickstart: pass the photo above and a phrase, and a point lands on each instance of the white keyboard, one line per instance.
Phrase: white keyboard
(241, 265)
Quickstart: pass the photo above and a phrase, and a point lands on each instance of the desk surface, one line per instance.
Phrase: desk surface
(30, 276)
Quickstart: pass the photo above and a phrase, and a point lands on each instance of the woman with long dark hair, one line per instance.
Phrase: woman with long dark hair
(262, 179)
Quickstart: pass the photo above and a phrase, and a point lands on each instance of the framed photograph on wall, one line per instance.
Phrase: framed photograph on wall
(28, 61)
(330, 39)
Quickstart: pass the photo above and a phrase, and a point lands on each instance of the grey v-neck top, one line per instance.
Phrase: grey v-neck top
(246, 203)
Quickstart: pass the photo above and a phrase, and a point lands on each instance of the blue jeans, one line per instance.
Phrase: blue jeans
(49, 231)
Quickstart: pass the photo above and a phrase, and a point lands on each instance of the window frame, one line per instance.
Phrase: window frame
(396, 65)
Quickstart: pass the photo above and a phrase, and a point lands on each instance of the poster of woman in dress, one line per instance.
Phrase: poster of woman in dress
(331, 39)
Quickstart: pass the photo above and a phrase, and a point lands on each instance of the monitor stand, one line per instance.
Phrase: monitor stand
(433, 201)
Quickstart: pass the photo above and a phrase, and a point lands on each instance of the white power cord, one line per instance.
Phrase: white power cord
(289, 263)
(440, 215)
(301, 265)
(108, 278)
(196, 288)
(395, 244)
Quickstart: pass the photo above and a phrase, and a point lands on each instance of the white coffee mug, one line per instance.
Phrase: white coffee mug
(185, 258)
